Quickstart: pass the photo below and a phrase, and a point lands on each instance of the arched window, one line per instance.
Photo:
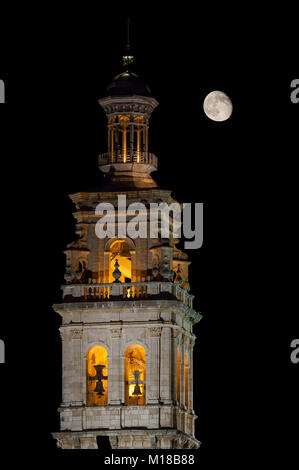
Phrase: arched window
(186, 380)
(120, 251)
(97, 376)
(178, 375)
(123, 129)
(135, 375)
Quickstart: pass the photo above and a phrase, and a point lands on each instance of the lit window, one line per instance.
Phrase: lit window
(97, 376)
(135, 369)
(186, 380)
(120, 251)
(178, 376)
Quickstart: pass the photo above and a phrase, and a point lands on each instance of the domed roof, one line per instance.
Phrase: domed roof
(128, 84)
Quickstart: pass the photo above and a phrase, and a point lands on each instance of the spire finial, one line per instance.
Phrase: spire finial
(128, 58)
(128, 33)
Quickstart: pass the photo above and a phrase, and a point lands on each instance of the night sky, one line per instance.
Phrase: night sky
(55, 69)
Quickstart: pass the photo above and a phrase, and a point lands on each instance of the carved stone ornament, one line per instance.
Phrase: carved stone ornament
(76, 334)
(175, 332)
(116, 332)
(155, 331)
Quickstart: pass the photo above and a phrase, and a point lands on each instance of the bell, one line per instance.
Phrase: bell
(99, 388)
(137, 390)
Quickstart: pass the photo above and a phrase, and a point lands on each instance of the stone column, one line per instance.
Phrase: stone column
(114, 369)
(186, 350)
(183, 372)
(143, 259)
(112, 142)
(131, 138)
(146, 138)
(153, 376)
(166, 369)
(66, 366)
(133, 265)
(122, 379)
(174, 362)
(106, 267)
(76, 366)
(143, 138)
(192, 342)
(109, 138)
(138, 251)
(185, 346)
(191, 423)
(100, 261)
(116, 141)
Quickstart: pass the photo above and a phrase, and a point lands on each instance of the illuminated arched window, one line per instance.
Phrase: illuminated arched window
(178, 375)
(135, 373)
(120, 251)
(139, 138)
(123, 129)
(186, 380)
(97, 376)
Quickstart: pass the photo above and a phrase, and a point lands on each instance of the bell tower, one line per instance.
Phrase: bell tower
(127, 313)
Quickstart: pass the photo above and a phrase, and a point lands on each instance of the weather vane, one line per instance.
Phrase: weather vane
(128, 58)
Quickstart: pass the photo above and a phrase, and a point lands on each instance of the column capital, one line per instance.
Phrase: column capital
(116, 332)
(175, 332)
(155, 331)
(76, 334)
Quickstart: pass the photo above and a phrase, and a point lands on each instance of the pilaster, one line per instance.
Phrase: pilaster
(115, 378)
(153, 380)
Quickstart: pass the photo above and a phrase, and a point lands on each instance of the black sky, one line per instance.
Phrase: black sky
(56, 65)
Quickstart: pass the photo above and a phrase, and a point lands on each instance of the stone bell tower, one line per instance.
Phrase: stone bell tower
(126, 311)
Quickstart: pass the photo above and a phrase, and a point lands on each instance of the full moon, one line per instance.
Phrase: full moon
(217, 106)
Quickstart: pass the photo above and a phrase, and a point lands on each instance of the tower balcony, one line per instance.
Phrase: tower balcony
(128, 156)
(129, 291)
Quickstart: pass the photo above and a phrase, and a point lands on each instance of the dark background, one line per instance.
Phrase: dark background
(55, 65)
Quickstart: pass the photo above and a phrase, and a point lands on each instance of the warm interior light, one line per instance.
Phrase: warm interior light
(128, 59)
(97, 376)
(178, 376)
(137, 387)
(186, 380)
(135, 368)
(124, 122)
(139, 128)
(120, 250)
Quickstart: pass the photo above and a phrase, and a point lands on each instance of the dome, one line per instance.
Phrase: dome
(128, 84)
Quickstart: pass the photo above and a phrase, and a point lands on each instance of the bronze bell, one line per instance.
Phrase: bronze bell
(99, 388)
(99, 377)
(137, 390)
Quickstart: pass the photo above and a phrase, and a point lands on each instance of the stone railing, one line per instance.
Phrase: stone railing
(128, 157)
(128, 290)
